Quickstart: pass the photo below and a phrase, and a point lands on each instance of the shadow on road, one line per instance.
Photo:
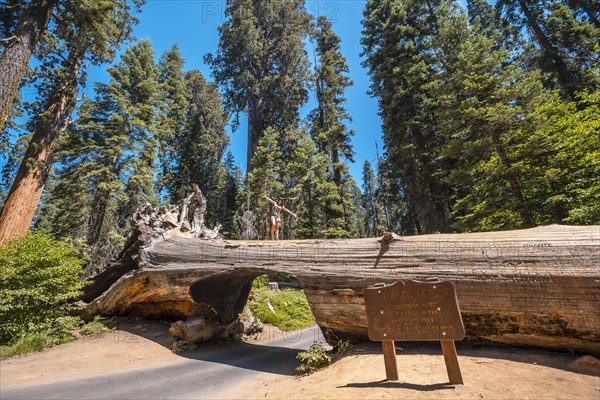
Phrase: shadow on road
(256, 357)
(276, 353)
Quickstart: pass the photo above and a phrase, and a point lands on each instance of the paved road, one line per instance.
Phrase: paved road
(203, 374)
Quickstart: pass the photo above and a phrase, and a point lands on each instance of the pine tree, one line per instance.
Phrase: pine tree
(392, 202)
(133, 99)
(578, 41)
(485, 16)
(566, 45)
(561, 159)
(111, 147)
(372, 212)
(586, 8)
(227, 195)
(396, 38)
(261, 64)
(85, 30)
(328, 120)
(200, 149)
(482, 97)
(192, 138)
(359, 211)
(66, 205)
(315, 194)
(172, 120)
(10, 12)
(12, 153)
(265, 178)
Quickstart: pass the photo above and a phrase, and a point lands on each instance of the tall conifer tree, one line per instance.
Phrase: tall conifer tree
(261, 65)
(567, 43)
(396, 43)
(111, 148)
(482, 97)
(19, 41)
(328, 121)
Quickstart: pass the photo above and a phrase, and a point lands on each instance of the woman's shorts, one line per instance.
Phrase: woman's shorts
(275, 219)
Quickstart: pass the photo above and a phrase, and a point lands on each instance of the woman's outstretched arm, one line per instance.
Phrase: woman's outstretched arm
(289, 212)
(270, 200)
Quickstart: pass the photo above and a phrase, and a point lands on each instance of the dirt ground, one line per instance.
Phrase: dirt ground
(489, 372)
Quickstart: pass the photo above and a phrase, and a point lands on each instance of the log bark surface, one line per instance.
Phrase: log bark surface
(535, 287)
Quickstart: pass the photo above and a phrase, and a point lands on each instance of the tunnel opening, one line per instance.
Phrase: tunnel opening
(234, 300)
(279, 300)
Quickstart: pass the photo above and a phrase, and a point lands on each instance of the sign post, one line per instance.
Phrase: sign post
(415, 311)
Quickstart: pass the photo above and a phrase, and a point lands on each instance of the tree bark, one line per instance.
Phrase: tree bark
(96, 217)
(255, 128)
(26, 190)
(18, 51)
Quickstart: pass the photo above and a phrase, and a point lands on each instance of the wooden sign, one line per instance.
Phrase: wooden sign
(415, 311)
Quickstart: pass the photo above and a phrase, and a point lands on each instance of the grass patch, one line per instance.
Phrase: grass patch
(94, 327)
(33, 342)
(290, 305)
(51, 334)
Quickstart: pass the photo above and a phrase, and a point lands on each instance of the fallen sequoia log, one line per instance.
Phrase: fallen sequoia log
(534, 287)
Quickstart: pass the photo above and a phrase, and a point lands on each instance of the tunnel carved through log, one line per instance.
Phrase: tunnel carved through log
(537, 287)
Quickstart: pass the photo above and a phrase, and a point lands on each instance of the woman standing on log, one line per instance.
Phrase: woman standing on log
(276, 216)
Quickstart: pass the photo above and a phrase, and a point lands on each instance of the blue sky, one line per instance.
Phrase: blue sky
(193, 25)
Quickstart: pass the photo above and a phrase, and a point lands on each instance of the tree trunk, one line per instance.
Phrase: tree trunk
(513, 183)
(96, 218)
(26, 190)
(16, 55)
(421, 202)
(255, 128)
(529, 287)
(565, 77)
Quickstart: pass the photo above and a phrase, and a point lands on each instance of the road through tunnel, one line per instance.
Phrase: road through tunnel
(233, 303)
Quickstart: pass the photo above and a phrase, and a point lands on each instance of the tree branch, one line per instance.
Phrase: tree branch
(13, 37)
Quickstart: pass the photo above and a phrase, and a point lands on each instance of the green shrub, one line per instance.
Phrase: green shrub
(313, 359)
(97, 325)
(260, 282)
(182, 346)
(28, 342)
(342, 346)
(38, 276)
